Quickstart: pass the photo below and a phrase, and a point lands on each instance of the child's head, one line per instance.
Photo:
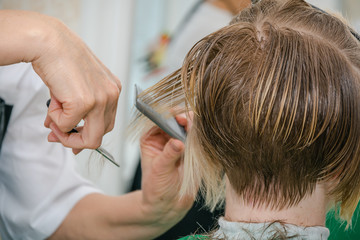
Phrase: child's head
(276, 107)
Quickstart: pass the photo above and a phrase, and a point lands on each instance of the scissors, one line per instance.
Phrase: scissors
(100, 150)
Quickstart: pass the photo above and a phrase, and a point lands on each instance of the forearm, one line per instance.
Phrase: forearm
(24, 35)
(81, 87)
(125, 217)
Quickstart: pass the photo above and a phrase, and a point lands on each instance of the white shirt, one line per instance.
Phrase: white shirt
(38, 183)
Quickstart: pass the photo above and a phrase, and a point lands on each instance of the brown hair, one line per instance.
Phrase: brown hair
(276, 108)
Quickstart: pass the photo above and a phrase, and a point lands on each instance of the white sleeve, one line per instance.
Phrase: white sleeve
(38, 183)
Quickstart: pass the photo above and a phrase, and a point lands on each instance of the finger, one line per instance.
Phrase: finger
(109, 116)
(171, 154)
(118, 83)
(112, 108)
(154, 138)
(185, 120)
(76, 151)
(155, 130)
(110, 95)
(151, 132)
(52, 137)
(181, 119)
(68, 139)
(47, 121)
(88, 136)
(93, 130)
(66, 115)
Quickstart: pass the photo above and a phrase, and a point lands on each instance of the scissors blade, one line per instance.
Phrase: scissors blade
(107, 155)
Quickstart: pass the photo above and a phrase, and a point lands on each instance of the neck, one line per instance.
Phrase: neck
(311, 211)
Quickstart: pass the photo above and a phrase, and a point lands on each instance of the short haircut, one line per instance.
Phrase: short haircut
(276, 107)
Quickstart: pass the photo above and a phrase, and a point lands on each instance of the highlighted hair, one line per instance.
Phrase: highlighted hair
(276, 107)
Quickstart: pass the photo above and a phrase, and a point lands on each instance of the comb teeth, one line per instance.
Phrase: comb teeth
(170, 125)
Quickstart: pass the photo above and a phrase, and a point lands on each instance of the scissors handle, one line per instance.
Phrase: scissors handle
(100, 150)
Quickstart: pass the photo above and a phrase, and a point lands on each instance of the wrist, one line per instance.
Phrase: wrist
(44, 36)
(164, 213)
(151, 211)
(53, 43)
(25, 35)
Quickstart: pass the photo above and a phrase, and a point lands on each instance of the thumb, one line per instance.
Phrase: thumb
(172, 152)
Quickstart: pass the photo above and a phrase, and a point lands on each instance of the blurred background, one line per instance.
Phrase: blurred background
(125, 34)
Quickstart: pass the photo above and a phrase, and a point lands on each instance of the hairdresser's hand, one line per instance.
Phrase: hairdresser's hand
(81, 88)
(80, 85)
(162, 171)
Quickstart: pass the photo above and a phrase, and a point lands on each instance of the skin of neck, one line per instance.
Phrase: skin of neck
(310, 211)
